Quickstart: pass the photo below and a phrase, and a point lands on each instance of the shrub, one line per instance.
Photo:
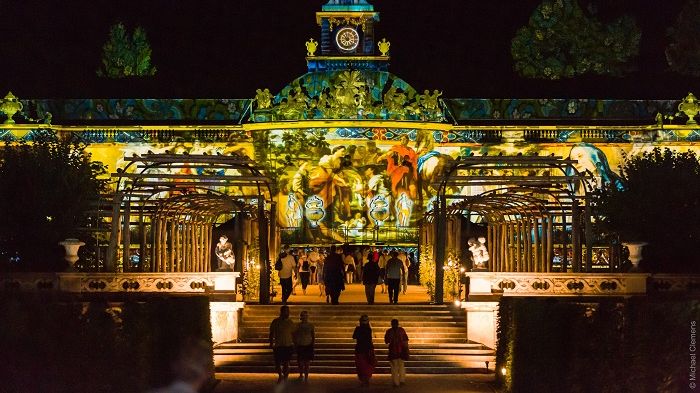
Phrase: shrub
(660, 204)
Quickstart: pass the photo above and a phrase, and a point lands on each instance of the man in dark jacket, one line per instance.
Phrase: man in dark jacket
(334, 273)
(370, 278)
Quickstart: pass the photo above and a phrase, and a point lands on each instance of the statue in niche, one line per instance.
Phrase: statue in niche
(224, 254)
(480, 254)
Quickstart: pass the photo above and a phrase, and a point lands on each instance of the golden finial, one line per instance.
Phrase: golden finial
(690, 107)
(9, 106)
(311, 46)
(384, 46)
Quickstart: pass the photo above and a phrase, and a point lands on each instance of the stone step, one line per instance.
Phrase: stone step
(246, 358)
(458, 346)
(437, 338)
(348, 340)
(331, 329)
(475, 368)
(349, 350)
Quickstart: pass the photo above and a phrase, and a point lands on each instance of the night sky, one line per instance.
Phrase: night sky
(228, 48)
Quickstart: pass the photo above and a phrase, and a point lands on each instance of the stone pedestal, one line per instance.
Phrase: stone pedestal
(225, 317)
(481, 322)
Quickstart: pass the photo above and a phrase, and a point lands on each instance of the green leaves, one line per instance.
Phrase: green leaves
(560, 41)
(683, 52)
(45, 190)
(660, 204)
(124, 56)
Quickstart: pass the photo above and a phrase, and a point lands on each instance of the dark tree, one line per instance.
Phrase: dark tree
(125, 56)
(562, 41)
(46, 189)
(683, 52)
(660, 204)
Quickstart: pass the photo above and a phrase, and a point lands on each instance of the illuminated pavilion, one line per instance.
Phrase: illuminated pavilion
(349, 153)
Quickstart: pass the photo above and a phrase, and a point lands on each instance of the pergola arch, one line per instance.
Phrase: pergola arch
(523, 200)
(173, 201)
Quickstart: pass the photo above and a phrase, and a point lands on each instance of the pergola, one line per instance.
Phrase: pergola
(172, 202)
(524, 200)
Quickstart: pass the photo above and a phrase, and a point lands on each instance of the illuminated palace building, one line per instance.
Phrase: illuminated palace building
(350, 153)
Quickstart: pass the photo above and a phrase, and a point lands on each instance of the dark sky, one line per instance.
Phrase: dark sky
(228, 48)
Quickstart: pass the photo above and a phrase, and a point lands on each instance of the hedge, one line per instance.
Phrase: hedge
(51, 345)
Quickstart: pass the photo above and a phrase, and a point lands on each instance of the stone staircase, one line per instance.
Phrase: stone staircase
(436, 333)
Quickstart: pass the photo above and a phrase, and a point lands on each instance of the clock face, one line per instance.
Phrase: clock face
(347, 39)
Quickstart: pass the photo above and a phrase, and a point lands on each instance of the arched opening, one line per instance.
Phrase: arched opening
(527, 204)
(167, 208)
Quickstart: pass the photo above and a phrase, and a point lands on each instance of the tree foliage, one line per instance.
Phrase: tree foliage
(683, 52)
(46, 189)
(660, 204)
(561, 41)
(124, 56)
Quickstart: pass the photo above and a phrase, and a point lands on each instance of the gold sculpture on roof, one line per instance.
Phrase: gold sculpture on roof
(263, 98)
(311, 46)
(690, 106)
(384, 46)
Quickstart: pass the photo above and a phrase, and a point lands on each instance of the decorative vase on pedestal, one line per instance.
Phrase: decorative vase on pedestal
(72, 246)
(635, 250)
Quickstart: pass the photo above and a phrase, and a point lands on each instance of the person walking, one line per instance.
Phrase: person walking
(285, 275)
(397, 339)
(334, 274)
(282, 343)
(313, 257)
(304, 340)
(365, 359)
(404, 276)
(383, 259)
(349, 261)
(394, 272)
(304, 272)
(319, 277)
(370, 278)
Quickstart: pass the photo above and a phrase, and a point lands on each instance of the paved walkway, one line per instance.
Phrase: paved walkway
(355, 293)
(264, 383)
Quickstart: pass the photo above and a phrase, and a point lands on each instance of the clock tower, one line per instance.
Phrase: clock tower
(347, 38)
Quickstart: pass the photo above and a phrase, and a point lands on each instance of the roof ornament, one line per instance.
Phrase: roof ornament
(311, 46)
(10, 105)
(384, 46)
(690, 106)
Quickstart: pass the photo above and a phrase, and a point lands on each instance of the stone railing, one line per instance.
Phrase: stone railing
(121, 282)
(667, 283)
(557, 284)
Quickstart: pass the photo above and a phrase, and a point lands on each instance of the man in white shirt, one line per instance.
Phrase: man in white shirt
(285, 274)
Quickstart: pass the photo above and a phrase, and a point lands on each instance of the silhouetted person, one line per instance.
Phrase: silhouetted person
(282, 342)
(285, 275)
(394, 272)
(365, 360)
(370, 278)
(304, 339)
(334, 274)
(397, 339)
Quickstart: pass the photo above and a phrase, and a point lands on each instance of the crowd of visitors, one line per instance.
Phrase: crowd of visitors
(332, 268)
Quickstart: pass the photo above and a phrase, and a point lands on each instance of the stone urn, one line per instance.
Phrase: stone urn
(72, 246)
(690, 106)
(635, 250)
(9, 106)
